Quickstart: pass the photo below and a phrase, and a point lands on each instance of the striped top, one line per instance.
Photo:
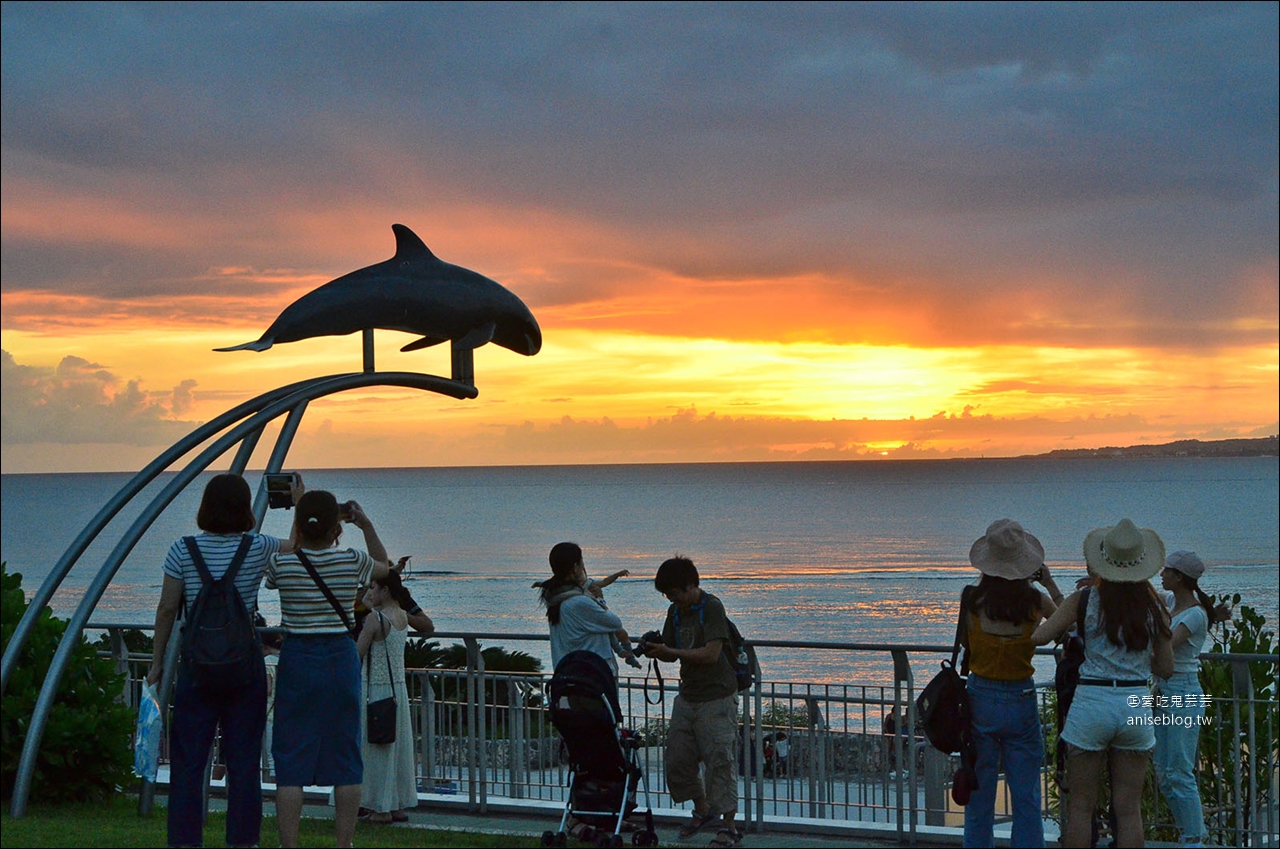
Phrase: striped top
(303, 607)
(218, 550)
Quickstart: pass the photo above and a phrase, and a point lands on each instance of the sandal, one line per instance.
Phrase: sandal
(726, 837)
(698, 824)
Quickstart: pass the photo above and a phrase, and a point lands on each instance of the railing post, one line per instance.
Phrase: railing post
(906, 730)
(935, 793)
(120, 654)
(757, 824)
(477, 763)
(1242, 691)
(427, 710)
(515, 739)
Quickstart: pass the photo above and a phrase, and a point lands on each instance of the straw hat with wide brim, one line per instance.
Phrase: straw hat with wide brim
(1124, 552)
(1007, 551)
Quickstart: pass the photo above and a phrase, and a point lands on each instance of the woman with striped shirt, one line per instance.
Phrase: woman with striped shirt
(225, 518)
(316, 737)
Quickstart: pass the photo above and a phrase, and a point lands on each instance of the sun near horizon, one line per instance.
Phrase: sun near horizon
(836, 231)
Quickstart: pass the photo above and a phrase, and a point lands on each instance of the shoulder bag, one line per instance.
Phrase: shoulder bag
(380, 716)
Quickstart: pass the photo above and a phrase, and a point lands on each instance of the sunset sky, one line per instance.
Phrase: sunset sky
(748, 231)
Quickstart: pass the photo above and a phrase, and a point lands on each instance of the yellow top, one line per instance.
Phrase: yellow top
(1000, 658)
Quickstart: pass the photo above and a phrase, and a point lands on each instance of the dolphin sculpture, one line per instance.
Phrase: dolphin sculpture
(412, 292)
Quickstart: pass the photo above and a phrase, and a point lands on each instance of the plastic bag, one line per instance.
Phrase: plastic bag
(146, 740)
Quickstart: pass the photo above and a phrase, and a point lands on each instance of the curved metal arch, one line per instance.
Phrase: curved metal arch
(273, 405)
(62, 568)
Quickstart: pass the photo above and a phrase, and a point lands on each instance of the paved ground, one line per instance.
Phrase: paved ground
(508, 822)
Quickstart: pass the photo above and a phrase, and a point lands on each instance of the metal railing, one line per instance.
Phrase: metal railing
(813, 756)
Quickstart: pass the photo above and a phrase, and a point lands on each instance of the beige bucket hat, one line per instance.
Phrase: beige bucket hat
(1124, 552)
(1007, 551)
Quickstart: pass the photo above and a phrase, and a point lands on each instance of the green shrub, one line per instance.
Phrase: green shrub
(1236, 753)
(84, 755)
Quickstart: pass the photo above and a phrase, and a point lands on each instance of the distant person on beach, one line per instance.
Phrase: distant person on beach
(578, 620)
(1126, 639)
(781, 750)
(390, 784)
(1002, 612)
(317, 728)
(225, 518)
(704, 718)
(889, 731)
(1180, 698)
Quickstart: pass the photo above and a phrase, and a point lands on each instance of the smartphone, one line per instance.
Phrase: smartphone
(280, 488)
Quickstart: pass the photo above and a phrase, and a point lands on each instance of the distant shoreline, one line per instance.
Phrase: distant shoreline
(1266, 446)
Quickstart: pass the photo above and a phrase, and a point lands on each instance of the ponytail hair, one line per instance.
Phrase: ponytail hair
(1202, 598)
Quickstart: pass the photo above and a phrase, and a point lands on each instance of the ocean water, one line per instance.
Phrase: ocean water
(839, 551)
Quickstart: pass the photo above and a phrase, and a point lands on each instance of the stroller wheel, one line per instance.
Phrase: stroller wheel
(616, 842)
(548, 838)
(561, 839)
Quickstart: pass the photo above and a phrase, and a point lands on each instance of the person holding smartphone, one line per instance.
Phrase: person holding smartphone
(316, 738)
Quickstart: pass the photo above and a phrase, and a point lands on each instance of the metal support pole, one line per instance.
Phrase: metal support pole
(464, 365)
(276, 461)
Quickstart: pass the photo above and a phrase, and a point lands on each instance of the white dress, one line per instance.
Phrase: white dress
(390, 783)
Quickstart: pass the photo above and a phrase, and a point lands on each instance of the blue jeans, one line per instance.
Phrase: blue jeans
(1175, 757)
(196, 716)
(1006, 728)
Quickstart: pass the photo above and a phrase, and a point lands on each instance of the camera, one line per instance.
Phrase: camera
(280, 488)
(345, 509)
(651, 638)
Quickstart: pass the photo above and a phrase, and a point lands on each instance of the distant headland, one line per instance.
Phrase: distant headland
(1262, 447)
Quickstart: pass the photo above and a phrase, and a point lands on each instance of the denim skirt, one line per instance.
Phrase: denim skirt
(316, 735)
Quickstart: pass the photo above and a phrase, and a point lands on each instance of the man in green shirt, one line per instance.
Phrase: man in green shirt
(704, 717)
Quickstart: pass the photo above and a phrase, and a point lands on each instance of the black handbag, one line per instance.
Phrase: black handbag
(380, 716)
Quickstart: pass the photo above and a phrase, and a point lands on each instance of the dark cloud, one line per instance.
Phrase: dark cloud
(84, 402)
(1127, 150)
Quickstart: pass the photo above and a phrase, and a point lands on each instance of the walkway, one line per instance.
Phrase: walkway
(500, 820)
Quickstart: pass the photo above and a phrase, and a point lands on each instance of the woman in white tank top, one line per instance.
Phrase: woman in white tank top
(1126, 640)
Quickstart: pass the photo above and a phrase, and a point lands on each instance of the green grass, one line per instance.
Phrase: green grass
(116, 823)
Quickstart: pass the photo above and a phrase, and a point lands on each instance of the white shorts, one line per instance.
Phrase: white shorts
(1099, 719)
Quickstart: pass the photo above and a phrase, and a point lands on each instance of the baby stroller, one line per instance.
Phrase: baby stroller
(603, 768)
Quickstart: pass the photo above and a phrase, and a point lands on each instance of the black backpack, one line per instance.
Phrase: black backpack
(943, 706)
(1067, 674)
(220, 645)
